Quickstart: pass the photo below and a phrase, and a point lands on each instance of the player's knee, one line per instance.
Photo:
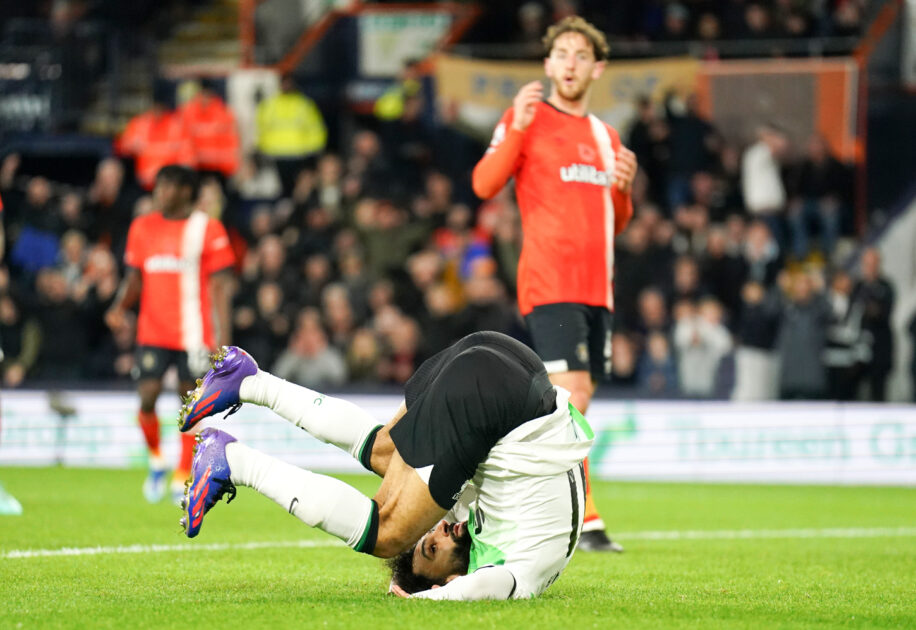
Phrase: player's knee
(149, 394)
(581, 396)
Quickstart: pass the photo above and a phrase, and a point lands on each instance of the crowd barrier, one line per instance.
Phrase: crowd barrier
(824, 443)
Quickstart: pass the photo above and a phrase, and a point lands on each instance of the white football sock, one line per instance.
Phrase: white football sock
(318, 501)
(332, 420)
(157, 463)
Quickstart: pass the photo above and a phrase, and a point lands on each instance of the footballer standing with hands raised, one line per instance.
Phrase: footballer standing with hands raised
(573, 179)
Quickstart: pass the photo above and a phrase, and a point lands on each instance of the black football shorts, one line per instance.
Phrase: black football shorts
(569, 337)
(152, 362)
(462, 401)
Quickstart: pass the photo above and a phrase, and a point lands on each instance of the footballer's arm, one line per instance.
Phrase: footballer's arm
(221, 290)
(498, 163)
(128, 295)
(490, 582)
(625, 167)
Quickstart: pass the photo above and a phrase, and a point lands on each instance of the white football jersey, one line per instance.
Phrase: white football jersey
(526, 502)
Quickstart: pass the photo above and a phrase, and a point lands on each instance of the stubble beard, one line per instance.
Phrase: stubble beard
(574, 94)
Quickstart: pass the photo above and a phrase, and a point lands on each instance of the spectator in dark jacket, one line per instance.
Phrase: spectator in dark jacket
(692, 140)
(756, 362)
(818, 195)
(63, 329)
(634, 262)
(109, 207)
(876, 295)
(657, 371)
(35, 236)
(802, 340)
(847, 349)
(723, 271)
(761, 254)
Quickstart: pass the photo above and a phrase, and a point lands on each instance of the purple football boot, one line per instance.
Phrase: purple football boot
(208, 481)
(219, 389)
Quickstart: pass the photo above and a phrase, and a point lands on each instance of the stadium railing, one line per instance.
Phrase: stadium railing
(47, 78)
(295, 31)
(724, 49)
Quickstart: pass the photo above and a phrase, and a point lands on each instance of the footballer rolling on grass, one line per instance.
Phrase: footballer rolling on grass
(483, 490)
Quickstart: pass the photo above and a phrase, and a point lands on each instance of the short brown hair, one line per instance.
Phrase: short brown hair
(576, 24)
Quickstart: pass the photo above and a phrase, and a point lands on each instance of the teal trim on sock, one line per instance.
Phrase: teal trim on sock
(365, 451)
(366, 544)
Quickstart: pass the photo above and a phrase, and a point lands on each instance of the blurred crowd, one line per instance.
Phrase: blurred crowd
(706, 21)
(354, 266)
(351, 267)
(730, 278)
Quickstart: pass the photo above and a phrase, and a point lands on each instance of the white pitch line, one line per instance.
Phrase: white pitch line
(715, 534)
(93, 551)
(747, 534)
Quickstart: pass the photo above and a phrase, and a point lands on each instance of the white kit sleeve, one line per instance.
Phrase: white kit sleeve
(490, 582)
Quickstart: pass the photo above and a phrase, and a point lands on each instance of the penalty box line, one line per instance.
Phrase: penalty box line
(664, 535)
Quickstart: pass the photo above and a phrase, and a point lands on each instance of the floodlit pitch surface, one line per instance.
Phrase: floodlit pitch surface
(89, 552)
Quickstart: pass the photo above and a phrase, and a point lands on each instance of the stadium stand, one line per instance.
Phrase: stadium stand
(379, 256)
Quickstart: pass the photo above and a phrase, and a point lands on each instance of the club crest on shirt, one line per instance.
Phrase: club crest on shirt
(585, 174)
(587, 153)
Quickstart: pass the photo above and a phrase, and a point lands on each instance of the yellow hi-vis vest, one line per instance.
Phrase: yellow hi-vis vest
(290, 125)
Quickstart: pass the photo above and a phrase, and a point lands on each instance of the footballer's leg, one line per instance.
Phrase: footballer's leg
(574, 341)
(332, 420)
(154, 485)
(582, 387)
(401, 512)
(235, 379)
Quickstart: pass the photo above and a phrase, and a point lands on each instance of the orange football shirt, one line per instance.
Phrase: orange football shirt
(569, 207)
(176, 259)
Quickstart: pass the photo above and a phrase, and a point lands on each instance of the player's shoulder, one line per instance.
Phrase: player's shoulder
(212, 222)
(148, 220)
(610, 128)
(615, 135)
(544, 105)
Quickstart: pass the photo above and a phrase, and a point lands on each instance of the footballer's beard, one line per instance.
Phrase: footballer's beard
(463, 546)
(574, 92)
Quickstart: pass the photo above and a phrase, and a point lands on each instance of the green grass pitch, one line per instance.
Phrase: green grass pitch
(814, 557)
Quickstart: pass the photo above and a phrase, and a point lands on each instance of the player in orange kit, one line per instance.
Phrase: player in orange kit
(179, 267)
(572, 179)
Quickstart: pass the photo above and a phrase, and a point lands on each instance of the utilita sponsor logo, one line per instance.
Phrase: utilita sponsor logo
(585, 174)
(164, 264)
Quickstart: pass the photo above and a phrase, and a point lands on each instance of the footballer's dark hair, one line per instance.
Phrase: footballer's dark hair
(180, 175)
(576, 24)
(402, 574)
